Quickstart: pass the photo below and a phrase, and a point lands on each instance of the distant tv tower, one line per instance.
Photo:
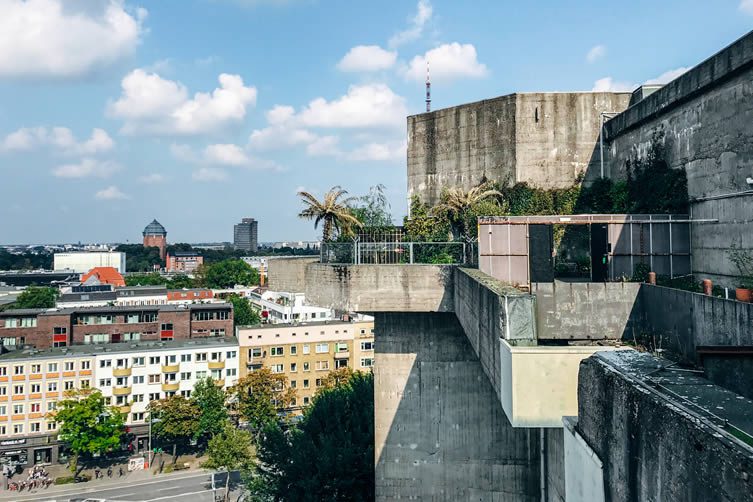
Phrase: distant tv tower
(428, 88)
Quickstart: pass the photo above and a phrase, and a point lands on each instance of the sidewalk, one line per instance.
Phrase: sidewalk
(141, 477)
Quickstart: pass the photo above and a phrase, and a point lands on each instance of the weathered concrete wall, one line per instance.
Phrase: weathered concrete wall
(459, 146)
(584, 472)
(650, 448)
(288, 274)
(545, 139)
(587, 311)
(706, 117)
(441, 433)
(554, 465)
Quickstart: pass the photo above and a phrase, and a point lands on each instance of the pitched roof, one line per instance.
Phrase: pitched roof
(105, 275)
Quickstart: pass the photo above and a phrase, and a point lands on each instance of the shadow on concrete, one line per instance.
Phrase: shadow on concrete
(441, 433)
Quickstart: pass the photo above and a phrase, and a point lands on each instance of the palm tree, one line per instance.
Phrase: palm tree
(455, 203)
(332, 210)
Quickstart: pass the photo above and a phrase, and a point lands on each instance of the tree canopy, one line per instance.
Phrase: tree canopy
(35, 297)
(177, 420)
(244, 314)
(29, 260)
(210, 401)
(230, 449)
(333, 212)
(261, 395)
(226, 274)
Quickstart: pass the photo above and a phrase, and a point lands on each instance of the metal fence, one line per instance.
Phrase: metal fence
(358, 252)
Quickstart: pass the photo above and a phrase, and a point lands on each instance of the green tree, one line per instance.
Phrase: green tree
(332, 211)
(244, 314)
(35, 297)
(140, 258)
(38, 258)
(229, 450)
(210, 399)
(226, 274)
(178, 421)
(261, 395)
(87, 425)
(423, 225)
(373, 209)
(455, 204)
(330, 456)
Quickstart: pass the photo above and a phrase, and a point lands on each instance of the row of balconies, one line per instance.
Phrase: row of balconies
(166, 368)
(38, 376)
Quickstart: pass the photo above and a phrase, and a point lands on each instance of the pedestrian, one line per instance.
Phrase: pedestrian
(97, 473)
(109, 472)
(120, 472)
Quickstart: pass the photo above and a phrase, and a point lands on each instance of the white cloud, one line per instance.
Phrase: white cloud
(324, 146)
(110, 193)
(608, 84)
(220, 155)
(86, 168)
(667, 76)
(277, 137)
(597, 52)
(367, 58)
(209, 174)
(447, 62)
(55, 39)
(380, 151)
(150, 104)
(226, 154)
(746, 6)
(59, 138)
(364, 106)
(151, 179)
(423, 14)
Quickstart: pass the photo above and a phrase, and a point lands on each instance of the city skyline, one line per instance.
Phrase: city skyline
(252, 102)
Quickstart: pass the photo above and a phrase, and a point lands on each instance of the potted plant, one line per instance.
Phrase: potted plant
(743, 261)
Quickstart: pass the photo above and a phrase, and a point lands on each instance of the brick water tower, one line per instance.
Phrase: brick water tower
(155, 235)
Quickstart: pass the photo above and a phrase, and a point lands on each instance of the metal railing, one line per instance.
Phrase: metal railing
(400, 253)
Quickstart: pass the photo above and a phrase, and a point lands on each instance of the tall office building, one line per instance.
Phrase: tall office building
(245, 235)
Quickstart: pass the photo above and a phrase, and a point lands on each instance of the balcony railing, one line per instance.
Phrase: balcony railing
(216, 365)
(121, 372)
(399, 253)
(170, 387)
(121, 391)
(170, 368)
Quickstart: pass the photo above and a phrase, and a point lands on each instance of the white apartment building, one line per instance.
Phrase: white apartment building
(281, 307)
(84, 261)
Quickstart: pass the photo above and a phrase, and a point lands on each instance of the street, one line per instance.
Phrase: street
(196, 487)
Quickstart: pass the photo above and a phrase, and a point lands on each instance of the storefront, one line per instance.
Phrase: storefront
(30, 451)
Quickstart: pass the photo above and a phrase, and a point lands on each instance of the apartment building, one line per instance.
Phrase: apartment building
(31, 384)
(305, 353)
(277, 307)
(185, 262)
(49, 328)
(128, 375)
(185, 296)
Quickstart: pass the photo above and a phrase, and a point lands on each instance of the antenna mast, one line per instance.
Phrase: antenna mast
(428, 88)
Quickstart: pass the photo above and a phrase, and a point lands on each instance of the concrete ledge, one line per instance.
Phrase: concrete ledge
(584, 472)
(539, 385)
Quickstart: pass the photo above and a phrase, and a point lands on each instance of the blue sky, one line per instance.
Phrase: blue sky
(201, 112)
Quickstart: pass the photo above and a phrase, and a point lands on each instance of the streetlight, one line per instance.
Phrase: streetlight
(151, 421)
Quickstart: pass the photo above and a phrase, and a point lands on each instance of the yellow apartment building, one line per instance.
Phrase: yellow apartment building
(305, 353)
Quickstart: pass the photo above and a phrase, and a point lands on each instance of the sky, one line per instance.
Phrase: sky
(201, 112)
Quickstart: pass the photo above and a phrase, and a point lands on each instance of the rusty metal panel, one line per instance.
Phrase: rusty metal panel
(503, 251)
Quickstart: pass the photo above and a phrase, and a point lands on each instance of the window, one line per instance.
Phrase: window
(231, 372)
(154, 396)
(3, 371)
(131, 337)
(306, 349)
(105, 382)
(18, 409)
(305, 384)
(52, 386)
(121, 381)
(105, 363)
(3, 410)
(154, 360)
(185, 376)
(256, 352)
(52, 406)
(201, 357)
(18, 370)
(201, 375)
(51, 426)
(278, 368)
(166, 326)
(18, 428)
(35, 427)
(52, 367)
(293, 384)
(277, 351)
(305, 400)
(322, 365)
(217, 332)
(185, 393)
(341, 363)
(322, 348)
(293, 350)
(216, 374)
(231, 354)
(2, 430)
(35, 388)
(3, 391)
(216, 356)
(185, 358)
(138, 379)
(96, 338)
(138, 417)
(171, 377)
(11, 323)
(341, 347)
(138, 398)
(293, 367)
(36, 368)
(363, 331)
(318, 382)
(367, 345)
(121, 400)
(137, 361)
(35, 408)
(69, 366)
(306, 366)
(154, 378)
(18, 389)
(68, 385)
(28, 322)
(86, 365)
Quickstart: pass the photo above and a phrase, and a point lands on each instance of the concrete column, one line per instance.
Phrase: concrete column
(441, 433)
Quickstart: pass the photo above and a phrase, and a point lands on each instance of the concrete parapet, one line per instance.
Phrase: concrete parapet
(662, 434)
(288, 274)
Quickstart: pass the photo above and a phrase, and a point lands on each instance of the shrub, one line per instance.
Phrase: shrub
(64, 480)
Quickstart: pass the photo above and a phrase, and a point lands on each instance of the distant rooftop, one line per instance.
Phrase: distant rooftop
(154, 228)
(115, 309)
(303, 324)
